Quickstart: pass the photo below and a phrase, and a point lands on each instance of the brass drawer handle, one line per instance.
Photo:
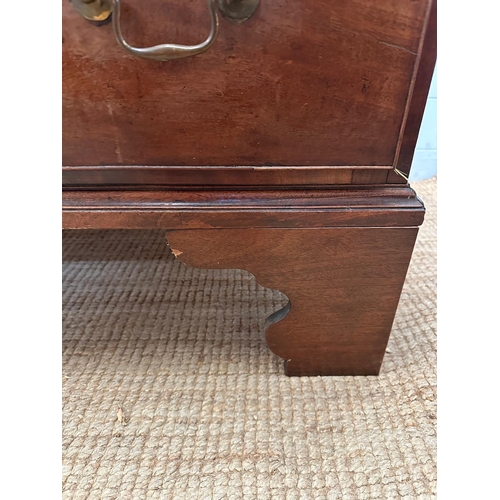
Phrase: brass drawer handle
(167, 51)
(99, 11)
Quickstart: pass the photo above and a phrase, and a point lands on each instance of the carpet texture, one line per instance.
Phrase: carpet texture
(208, 412)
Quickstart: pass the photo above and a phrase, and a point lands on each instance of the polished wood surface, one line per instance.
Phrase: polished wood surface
(144, 177)
(343, 286)
(189, 209)
(301, 83)
(419, 91)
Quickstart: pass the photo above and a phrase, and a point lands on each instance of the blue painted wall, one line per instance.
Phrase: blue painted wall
(424, 164)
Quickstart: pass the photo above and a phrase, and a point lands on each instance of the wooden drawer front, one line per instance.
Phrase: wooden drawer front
(303, 82)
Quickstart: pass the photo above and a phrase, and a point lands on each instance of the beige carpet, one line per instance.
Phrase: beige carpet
(209, 413)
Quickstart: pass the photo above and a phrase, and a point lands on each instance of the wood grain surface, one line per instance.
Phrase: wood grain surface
(301, 83)
(189, 209)
(418, 101)
(343, 285)
(175, 177)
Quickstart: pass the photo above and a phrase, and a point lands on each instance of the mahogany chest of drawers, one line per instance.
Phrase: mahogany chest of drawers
(274, 136)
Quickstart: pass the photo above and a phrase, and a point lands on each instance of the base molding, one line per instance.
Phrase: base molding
(203, 209)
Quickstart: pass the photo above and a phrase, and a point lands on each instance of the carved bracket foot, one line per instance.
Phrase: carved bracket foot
(343, 284)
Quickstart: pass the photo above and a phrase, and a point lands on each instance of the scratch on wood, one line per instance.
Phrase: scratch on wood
(118, 150)
(176, 252)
